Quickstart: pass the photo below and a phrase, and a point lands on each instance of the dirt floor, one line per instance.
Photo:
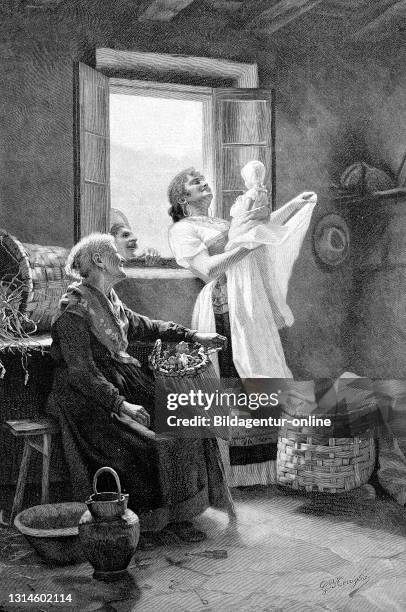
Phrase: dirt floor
(286, 552)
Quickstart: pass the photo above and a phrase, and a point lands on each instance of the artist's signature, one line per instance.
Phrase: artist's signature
(340, 582)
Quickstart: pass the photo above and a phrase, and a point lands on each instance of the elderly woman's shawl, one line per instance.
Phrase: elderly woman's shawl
(105, 316)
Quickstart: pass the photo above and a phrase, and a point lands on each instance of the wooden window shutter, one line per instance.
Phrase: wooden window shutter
(244, 130)
(92, 148)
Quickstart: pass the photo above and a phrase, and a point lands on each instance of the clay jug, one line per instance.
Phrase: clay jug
(108, 531)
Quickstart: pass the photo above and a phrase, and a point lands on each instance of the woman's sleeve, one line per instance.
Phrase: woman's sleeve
(143, 328)
(83, 375)
(185, 242)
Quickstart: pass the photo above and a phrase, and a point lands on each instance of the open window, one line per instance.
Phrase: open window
(236, 125)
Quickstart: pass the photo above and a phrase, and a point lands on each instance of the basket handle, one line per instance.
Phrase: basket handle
(111, 471)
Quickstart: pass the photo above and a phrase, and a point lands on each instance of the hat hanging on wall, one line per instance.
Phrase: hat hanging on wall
(331, 240)
(366, 179)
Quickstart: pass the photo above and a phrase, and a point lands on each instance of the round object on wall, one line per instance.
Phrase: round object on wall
(331, 240)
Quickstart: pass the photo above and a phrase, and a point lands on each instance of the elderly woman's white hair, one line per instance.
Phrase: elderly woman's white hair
(80, 259)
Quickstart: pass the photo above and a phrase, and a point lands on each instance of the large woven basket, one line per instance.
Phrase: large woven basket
(40, 273)
(308, 461)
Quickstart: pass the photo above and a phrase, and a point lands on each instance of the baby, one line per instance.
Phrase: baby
(253, 174)
(256, 196)
(257, 285)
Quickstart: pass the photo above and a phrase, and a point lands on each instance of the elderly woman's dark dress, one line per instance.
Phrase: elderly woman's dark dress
(168, 480)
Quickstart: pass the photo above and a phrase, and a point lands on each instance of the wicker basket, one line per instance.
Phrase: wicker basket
(39, 271)
(308, 461)
(200, 377)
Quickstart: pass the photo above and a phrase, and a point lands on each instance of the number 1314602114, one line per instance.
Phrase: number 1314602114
(40, 598)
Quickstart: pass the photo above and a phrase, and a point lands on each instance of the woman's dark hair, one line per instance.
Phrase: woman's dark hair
(177, 194)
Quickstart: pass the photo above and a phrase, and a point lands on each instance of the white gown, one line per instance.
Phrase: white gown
(257, 285)
(191, 236)
(257, 289)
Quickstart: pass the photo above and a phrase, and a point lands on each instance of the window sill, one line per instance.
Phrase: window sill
(152, 272)
(167, 268)
(164, 262)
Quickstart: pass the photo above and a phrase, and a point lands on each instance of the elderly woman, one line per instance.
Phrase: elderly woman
(104, 401)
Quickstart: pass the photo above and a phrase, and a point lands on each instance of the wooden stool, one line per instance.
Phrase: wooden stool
(37, 435)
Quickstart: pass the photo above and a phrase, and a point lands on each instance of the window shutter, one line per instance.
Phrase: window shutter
(92, 163)
(244, 130)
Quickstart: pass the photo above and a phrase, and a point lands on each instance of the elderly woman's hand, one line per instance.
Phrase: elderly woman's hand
(136, 413)
(210, 340)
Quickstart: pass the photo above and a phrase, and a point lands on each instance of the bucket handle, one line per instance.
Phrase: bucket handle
(116, 478)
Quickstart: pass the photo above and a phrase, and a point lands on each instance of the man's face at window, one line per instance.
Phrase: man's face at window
(198, 190)
(126, 242)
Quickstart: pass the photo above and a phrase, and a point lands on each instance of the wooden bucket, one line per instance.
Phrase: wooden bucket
(39, 272)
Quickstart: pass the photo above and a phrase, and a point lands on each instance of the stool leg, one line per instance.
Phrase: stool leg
(22, 477)
(45, 468)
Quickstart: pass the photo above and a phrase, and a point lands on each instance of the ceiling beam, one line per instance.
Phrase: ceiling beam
(226, 5)
(281, 14)
(282, 10)
(352, 5)
(39, 4)
(163, 10)
(398, 9)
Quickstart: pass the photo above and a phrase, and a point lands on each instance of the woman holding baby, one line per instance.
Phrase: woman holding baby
(243, 298)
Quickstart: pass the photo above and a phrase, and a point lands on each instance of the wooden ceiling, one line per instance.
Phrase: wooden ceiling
(360, 18)
(356, 19)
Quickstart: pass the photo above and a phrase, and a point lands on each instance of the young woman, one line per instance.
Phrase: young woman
(198, 242)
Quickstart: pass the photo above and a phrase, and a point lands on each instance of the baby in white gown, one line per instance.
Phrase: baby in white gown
(257, 284)
(256, 196)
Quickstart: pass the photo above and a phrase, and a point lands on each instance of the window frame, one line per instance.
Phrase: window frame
(153, 89)
(112, 63)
